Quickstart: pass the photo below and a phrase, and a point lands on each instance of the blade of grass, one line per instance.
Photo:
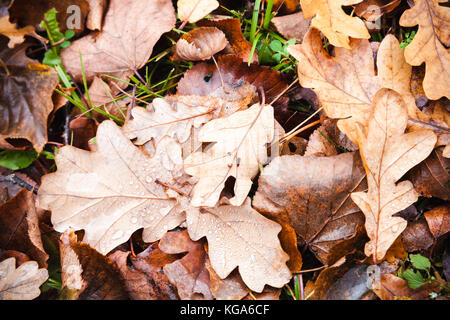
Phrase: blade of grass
(254, 20)
(252, 52)
(268, 15)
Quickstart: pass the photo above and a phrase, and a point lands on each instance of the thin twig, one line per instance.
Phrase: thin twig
(284, 91)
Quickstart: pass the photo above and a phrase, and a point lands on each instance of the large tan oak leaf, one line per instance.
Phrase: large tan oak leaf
(335, 24)
(20, 283)
(346, 83)
(429, 44)
(238, 150)
(112, 192)
(169, 116)
(388, 153)
(241, 237)
(130, 30)
(194, 10)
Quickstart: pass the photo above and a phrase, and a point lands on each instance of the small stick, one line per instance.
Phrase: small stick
(290, 291)
(284, 91)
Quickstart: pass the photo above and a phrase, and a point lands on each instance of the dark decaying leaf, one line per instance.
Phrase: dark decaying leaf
(30, 13)
(346, 282)
(230, 288)
(188, 274)
(82, 131)
(87, 274)
(313, 194)
(438, 220)
(26, 101)
(204, 78)
(145, 279)
(431, 177)
(19, 227)
(417, 236)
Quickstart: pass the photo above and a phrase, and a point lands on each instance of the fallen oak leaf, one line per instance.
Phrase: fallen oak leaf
(312, 194)
(193, 10)
(21, 283)
(388, 153)
(335, 24)
(112, 192)
(130, 30)
(19, 227)
(346, 83)
(430, 44)
(189, 273)
(86, 274)
(241, 237)
(167, 116)
(200, 44)
(239, 150)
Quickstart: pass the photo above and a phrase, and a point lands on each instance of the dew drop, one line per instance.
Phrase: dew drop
(134, 220)
(117, 234)
(252, 258)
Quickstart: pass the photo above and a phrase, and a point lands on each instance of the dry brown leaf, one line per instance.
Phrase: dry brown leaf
(237, 44)
(194, 10)
(417, 236)
(241, 237)
(438, 220)
(26, 89)
(19, 227)
(130, 31)
(373, 10)
(22, 283)
(189, 273)
(292, 26)
(239, 150)
(86, 274)
(145, 279)
(335, 24)
(395, 288)
(320, 146)
(289, 5)
(204, 79)
(313, 195)
(169, 116)
(388, 153)
(14, 34)
(230, 288)
(200, 44)
(82, 130)
(346, 82)
(112, 192)
(95, 16)
(431, 177)
(429, 44)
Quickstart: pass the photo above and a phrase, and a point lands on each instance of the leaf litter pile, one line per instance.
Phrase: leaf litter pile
(203, 149)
